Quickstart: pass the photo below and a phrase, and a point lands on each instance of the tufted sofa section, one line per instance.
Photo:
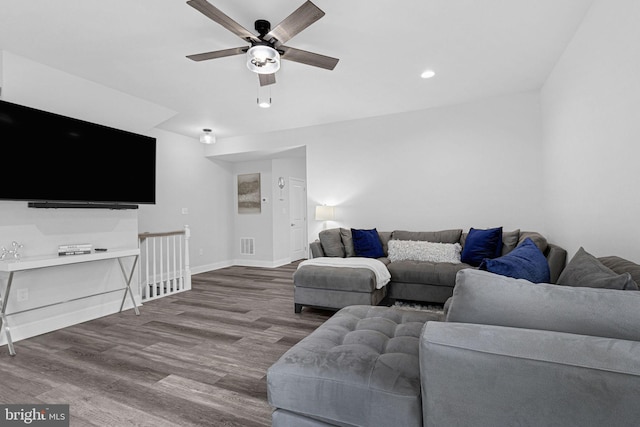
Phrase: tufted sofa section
(360, 351)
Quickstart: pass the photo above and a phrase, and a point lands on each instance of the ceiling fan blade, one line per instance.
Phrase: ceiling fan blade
(267, 79)
(299, 19)
(221, 18)
(217, 54)
(309, 58)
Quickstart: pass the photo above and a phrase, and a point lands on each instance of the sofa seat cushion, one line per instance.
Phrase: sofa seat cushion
(432, 273)
(359, 368)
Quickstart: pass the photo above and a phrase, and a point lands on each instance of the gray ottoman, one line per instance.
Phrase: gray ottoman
(360, 368)
(335, 287)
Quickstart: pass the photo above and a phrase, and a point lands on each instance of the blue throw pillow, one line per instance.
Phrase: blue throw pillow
(481, 244)
(526, 261)
(366, 243)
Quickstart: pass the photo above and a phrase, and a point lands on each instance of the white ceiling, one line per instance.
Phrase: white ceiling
(479, 48)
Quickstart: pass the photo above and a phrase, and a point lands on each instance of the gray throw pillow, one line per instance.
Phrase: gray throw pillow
(385, 236)
(332, 242)
(510, 240)
(585, 270)
(538, 239)
(347, 241)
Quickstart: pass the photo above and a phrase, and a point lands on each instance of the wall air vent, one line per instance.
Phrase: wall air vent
(247, 246)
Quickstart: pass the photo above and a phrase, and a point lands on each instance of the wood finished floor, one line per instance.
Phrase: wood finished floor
(198, 358)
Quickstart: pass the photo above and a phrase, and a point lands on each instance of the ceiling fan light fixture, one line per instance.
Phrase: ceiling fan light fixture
(207, 137)
(263, 59)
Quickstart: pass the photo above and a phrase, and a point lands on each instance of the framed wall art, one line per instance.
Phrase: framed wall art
(249, 193)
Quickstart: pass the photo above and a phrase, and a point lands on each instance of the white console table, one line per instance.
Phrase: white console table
(13, 266)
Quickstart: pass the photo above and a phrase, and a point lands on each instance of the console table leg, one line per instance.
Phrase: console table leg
(4, 326)
(128, 282)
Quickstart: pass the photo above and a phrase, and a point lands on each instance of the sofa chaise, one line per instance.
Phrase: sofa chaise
(335, 287)
(508, 352)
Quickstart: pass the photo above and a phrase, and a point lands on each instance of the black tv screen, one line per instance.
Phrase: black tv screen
(61, 161)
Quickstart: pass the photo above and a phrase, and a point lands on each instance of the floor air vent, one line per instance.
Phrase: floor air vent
(247, 246)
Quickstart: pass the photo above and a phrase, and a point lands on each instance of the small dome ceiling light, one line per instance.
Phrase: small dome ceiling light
(207, 137)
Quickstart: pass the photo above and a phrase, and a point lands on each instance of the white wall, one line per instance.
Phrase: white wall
(270, 227)
(186, 179)
(39, 86)
(591, 116)
(471, 165)
(258, 226)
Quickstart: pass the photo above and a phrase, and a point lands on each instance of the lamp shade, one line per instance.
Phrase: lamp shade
(324, 213)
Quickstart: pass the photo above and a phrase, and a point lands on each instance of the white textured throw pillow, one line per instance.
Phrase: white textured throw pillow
(411, 250)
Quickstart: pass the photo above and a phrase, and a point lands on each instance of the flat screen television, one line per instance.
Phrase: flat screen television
(50, 160)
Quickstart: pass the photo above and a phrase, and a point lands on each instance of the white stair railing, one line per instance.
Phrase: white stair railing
(164, 263)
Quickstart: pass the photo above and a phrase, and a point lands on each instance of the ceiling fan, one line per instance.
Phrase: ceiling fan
(267, 48)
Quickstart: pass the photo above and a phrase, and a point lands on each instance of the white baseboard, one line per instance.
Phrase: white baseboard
(210, 267)
(281, 262)
(265, 264)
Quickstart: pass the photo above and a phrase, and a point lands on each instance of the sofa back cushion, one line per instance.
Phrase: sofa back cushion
(621, 265)
(347, 241)
(385, 236)
(331, 242)
(442, 236)
(486, 298)
(538, 239)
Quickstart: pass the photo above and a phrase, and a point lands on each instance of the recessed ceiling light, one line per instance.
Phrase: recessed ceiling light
(427, 74)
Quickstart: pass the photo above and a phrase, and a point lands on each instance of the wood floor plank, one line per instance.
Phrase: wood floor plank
(196, 358)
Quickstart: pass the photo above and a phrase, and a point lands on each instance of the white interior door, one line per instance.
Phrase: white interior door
(298, 217)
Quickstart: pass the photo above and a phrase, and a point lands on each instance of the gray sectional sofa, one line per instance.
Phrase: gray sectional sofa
(422, 281)
(507, 352)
